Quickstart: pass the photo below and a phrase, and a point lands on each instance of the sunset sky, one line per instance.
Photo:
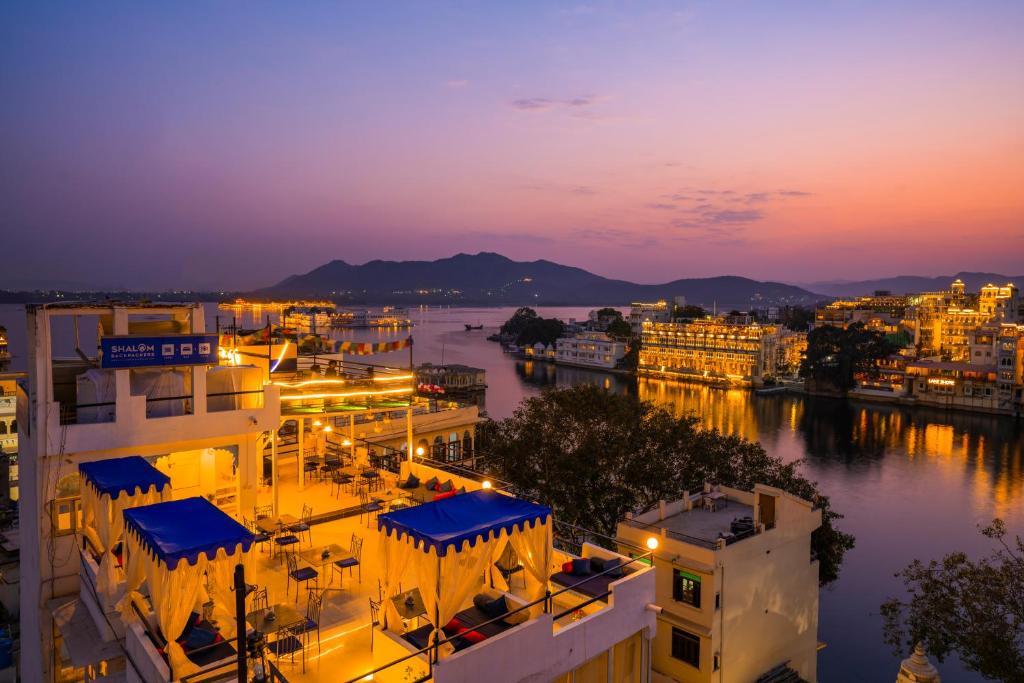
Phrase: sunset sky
(229, 144)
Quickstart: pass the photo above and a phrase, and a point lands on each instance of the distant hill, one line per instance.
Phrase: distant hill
(908, 284)
(488, 278)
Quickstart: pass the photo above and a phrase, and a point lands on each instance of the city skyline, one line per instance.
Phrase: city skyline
(232, 146)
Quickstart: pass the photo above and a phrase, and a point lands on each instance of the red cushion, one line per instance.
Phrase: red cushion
(437, 487)
(567, 567)
(442, 496)
(454, 625)
(473, 636)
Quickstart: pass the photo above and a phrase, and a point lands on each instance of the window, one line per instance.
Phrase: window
(686, 588)
(66, 515)
(686, 647)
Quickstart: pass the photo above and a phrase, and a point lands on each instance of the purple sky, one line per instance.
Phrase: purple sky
(229, 144)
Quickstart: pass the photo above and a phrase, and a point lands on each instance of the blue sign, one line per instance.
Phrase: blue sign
(172, 349)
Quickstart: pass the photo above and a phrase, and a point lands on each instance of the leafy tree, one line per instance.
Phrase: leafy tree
(631, 359)
(836, 356)
(796, 318)
(972, 608)
(608, 312)
(688, 312)
(593, 456)
(543, 330)
(519, 320)
(619, 329)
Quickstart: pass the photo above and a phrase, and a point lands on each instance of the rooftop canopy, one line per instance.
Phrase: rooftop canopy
(184, 529)
(448, 523)
(129, 475)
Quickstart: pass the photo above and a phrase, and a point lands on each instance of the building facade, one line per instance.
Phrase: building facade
(736, 583)
(590, 350)
(656, 312)
(711, 350)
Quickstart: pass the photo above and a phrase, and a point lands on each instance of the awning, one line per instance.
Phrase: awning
(184, 529)
(466, 517)
(82, 642)
(129, 475)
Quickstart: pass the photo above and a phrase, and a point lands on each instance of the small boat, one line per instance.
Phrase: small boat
(473, 327)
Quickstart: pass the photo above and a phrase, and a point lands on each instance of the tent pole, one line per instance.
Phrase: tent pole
(437, 613)
(243, 668)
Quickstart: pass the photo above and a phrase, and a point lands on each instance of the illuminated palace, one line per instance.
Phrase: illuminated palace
(716, 350)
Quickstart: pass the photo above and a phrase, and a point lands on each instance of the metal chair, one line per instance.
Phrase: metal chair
(299, 575)
(312, 623)
(355, 549)
(261, 537)
(303, 527)
(259, 599)
(263, 511)
(374, 618)
(367, 506)
(282, 542)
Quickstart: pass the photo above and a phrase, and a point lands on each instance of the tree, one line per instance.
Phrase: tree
(543, 330)
(688, 312)
(972, 608)
(593, 456)
(519, 320)
(619, 329)
(608, 312)
(796, 318)
(837, 356)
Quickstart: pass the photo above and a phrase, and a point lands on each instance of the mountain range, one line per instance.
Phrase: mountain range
(492, 279)
(908, 284)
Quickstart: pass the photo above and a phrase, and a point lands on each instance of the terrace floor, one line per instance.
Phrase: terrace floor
(706, 524)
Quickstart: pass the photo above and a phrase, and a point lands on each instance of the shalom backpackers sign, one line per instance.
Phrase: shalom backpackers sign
(171, 349)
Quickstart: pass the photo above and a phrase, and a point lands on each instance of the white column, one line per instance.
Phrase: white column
(352, 436)
(408, 431)
(273, 467)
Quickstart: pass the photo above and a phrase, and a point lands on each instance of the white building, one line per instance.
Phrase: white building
(589, 350)
(656, 312)
(207, 440)
(736, 582)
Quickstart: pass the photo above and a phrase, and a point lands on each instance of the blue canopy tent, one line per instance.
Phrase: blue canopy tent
(451, 542)
(109, 488)
(170, 547)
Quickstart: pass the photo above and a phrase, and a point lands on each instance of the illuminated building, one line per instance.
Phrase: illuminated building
(881, 312)
(640, 313)
(710, 350)
(736, 584)
(944, 321)
(589, 350)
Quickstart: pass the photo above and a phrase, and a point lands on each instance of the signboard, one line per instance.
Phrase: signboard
(171, 349)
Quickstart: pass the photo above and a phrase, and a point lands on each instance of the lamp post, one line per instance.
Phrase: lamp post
(240, 645)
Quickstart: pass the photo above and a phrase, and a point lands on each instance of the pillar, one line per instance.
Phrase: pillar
(301, 446)
(273, 468)
(408, 431)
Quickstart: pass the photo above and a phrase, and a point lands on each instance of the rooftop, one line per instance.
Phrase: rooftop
(705, 524)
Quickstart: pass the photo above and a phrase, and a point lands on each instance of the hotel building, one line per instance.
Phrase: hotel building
(640, 313)
(589, 350)
(711, 350)
(164, 461)
(737, 585)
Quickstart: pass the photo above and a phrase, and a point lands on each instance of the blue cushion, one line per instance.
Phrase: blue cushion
(373, 506)
(347, 562)
(431, 483)
(304, 574)
(299, 527)
(615, 567)
(411, 483)
(580, 566)
(495, 608)
(199, 637)
(480, 599)
(447, 486)
(286, 540)
(597, 565)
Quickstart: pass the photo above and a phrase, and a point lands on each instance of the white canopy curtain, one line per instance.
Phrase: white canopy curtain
(170, 547)
(111, 487)
(449, 544)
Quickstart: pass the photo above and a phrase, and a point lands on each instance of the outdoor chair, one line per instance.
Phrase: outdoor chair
(263, 511)
(261, 537)
(340, 479)
(260, 599)
(300, 575)
(355, 550)
(312, 623)
(374, 618)
(288, 642)
(303, 527)
(367, 506)
(282, 542)
(508, 565)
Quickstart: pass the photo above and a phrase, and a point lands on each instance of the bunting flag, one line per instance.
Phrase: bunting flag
(367, 349)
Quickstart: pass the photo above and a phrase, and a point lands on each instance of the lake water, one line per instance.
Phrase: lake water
(913, 483)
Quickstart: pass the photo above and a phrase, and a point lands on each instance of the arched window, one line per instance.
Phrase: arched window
(439, 449)
(3, 427)
(467, 444)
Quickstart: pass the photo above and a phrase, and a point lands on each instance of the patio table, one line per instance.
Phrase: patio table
(272, 525)
(315, 556)
(284, 615)
(409, 611)
(392, 496)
